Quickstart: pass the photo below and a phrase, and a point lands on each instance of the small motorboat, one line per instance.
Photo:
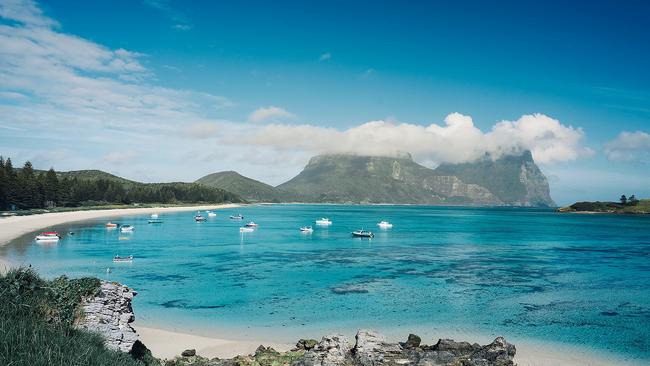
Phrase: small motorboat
(385, 225)
(198, 217)
(237, 217)
(155, 221)
(251, 224)
(324, 221)
(363, 234)
(212, 214)
(111, 225)
(48, 236)
(306, 229)
(246, 229)
(117, 258)
(154, 215)
(126, 229)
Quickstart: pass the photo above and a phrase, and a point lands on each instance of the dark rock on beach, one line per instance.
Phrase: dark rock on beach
(189, 353)
(370, 349)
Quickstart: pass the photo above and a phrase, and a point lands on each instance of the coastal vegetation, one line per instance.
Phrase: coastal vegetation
(27, 188)
(37, 320)
(625, 205)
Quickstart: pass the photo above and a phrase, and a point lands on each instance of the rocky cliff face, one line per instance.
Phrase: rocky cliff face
(110, 314)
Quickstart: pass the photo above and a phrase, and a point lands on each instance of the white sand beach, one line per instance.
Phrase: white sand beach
(170, 343)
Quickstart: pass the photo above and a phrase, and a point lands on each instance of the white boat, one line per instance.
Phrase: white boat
(246, 229)
(363, 234)
(154, 216)
(306, 229)
(385, 225)
(212, 214)
(155, 221)
(126, 228)
(117, 258)
(50, 236)
(237, 217)
(251, 224)
(324, 221)
(198, 217)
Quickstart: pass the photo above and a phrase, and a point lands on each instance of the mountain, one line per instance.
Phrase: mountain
(514, 179)
(94, 175)
(511, 180)
(247, 188)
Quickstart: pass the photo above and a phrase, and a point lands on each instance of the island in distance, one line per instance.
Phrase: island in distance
(511, 180)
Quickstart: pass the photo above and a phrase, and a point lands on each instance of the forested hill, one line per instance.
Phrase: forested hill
(26, 188)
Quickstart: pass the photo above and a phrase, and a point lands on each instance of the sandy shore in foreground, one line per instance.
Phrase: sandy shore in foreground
(167, 344)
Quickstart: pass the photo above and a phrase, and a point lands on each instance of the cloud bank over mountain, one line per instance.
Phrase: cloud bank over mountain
(457, 140)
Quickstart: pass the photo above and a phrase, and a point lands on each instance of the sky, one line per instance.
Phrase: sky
(164, 90)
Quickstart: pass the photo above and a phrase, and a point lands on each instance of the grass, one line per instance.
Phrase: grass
(36, 324)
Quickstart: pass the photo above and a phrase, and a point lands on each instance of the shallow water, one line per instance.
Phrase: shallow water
(578, 279)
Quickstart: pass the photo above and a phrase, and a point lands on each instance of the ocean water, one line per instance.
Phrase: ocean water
(582, 280)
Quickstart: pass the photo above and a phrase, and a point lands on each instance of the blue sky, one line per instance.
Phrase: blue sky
(170, 90)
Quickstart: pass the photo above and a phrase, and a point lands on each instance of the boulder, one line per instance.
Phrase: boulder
(372, 348)
(306, 344)
(499, 352)
(332, 350)
(189, 353)
(413, 341)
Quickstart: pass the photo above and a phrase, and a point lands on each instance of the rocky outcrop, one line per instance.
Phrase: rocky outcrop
(370, 349)
(332, 350)
(110, 314)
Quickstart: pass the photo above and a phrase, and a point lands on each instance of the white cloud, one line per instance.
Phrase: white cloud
(458, 140)
(270, 114)
(325, 56)
(26, 12)
(630, 147)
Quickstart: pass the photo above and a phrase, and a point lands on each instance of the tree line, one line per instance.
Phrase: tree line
(28, 189)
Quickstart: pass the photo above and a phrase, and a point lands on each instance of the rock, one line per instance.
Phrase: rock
(333, 350)
(456, 348)
(110, 314)
(413, 341)
(189, 353)
(498, 351)
(372, 348)
(306, 344)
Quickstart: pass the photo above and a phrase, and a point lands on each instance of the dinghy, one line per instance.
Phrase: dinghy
(324, 222)
(363, 234)
(117, 258)
(50, 236)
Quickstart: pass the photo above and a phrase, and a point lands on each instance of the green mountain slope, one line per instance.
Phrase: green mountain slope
(247, 188)
(514, 179)
(372, 179)
(94, 175)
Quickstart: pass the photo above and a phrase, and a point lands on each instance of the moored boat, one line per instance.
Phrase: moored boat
(324, 221)
(198, 217)
(245, 229)
(117, 258)
(363, 234)
(251, 224)
(237, 217)
(306, 229)
(212, 214)
(154, 215)
(385, 225)
(111, 225)
(155, 221)
(48, 236)
(126, 228)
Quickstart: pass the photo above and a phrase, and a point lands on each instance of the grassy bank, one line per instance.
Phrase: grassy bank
(36, 324)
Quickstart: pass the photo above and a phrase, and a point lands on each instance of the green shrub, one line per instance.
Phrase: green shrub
(36, 324)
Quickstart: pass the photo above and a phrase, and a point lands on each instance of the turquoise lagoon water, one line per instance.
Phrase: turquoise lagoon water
(578, 279)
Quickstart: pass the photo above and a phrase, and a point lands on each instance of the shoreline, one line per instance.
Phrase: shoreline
(13, 227)
(165, 343)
